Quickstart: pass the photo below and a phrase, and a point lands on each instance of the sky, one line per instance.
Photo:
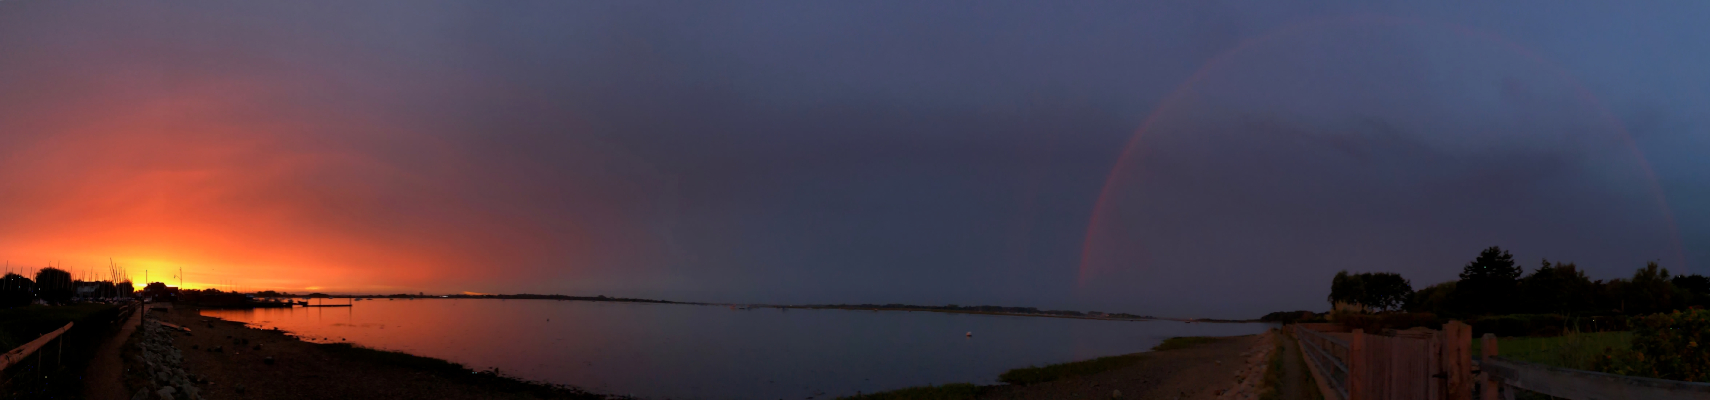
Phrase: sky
(1208, 159)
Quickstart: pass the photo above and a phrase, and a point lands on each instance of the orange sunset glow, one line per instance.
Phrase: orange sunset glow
(250, 171)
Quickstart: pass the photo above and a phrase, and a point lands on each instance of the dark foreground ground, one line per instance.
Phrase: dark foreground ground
(302, 370)
(1195, 372)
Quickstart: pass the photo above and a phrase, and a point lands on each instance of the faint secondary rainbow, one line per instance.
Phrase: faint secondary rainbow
(1100, 207)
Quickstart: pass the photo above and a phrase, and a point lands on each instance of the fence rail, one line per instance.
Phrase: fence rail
(1316, 346)
(1438, 365)
(15, 355)
(1586, 385)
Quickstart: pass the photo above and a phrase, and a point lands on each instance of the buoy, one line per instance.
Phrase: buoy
(970, 334)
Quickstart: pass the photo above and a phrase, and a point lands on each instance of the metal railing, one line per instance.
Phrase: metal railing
(1318, 350)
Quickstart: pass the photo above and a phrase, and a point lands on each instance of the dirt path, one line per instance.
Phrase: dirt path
(1191, 373)
(106, 371)
(1297, 381)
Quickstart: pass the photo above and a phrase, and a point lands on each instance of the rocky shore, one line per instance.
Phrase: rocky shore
(161, 364)
(218, 359)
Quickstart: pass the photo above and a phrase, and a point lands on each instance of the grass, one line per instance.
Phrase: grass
(22, 324)
(953, 391)
(1182, 342)
(1576, 350)
(1032, 375)
(1271, 387)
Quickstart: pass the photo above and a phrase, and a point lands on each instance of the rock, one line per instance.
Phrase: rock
(238, 388)
(257, 347)
(1116, 394)
(268, 360)
(142, 394)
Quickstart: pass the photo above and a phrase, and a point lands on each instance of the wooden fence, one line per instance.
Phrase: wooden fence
(1415, 364)
(1426, 364)
(18, 354)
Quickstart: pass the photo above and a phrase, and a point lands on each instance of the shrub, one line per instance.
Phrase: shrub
(1374, 323)
(1519, 325)
(1667, 346)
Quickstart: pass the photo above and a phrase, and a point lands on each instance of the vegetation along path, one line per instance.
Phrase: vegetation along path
(106, 371)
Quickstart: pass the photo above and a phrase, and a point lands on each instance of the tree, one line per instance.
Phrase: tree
(16, 290)
(1385, 290)
(1558, 289)
(1376, 291)
(1346, 288)
(54, 285)
(1433, 299)
(1650, 291)
(1697, 286)
(1488, 283)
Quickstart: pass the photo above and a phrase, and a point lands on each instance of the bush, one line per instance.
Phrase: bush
(1666, 346)
(1520, 325)
(1374, 323)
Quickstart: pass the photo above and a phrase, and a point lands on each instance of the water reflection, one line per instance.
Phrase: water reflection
(706, 352)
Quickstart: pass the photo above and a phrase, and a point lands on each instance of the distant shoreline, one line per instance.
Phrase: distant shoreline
(979, 310)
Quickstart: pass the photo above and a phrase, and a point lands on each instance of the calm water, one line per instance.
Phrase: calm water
(660, 351)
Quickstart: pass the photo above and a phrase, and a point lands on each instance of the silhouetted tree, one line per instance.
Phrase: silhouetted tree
(1650, 291)
(1697, 286)
(1433, 299)
(54, 285)
(1376, 291)
(1488, 283)
(16, 290)
(1559, 289)
(1346, 288)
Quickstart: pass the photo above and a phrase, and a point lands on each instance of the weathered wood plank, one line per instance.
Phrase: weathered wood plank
(1587, 385)
(1457, 360)
(1490, 381)
(13, 356)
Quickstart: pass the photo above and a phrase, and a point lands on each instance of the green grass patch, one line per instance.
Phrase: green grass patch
(953, 391)
(22, 324)
(1271, 387)
(1182, 342)
(1576, 350)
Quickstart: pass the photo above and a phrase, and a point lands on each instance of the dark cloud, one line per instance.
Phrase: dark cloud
(855, 152)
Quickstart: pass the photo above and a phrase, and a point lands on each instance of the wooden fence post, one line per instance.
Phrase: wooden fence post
(1490, 380)
(1434, 366)
(1457, 360)
(1357, 365)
